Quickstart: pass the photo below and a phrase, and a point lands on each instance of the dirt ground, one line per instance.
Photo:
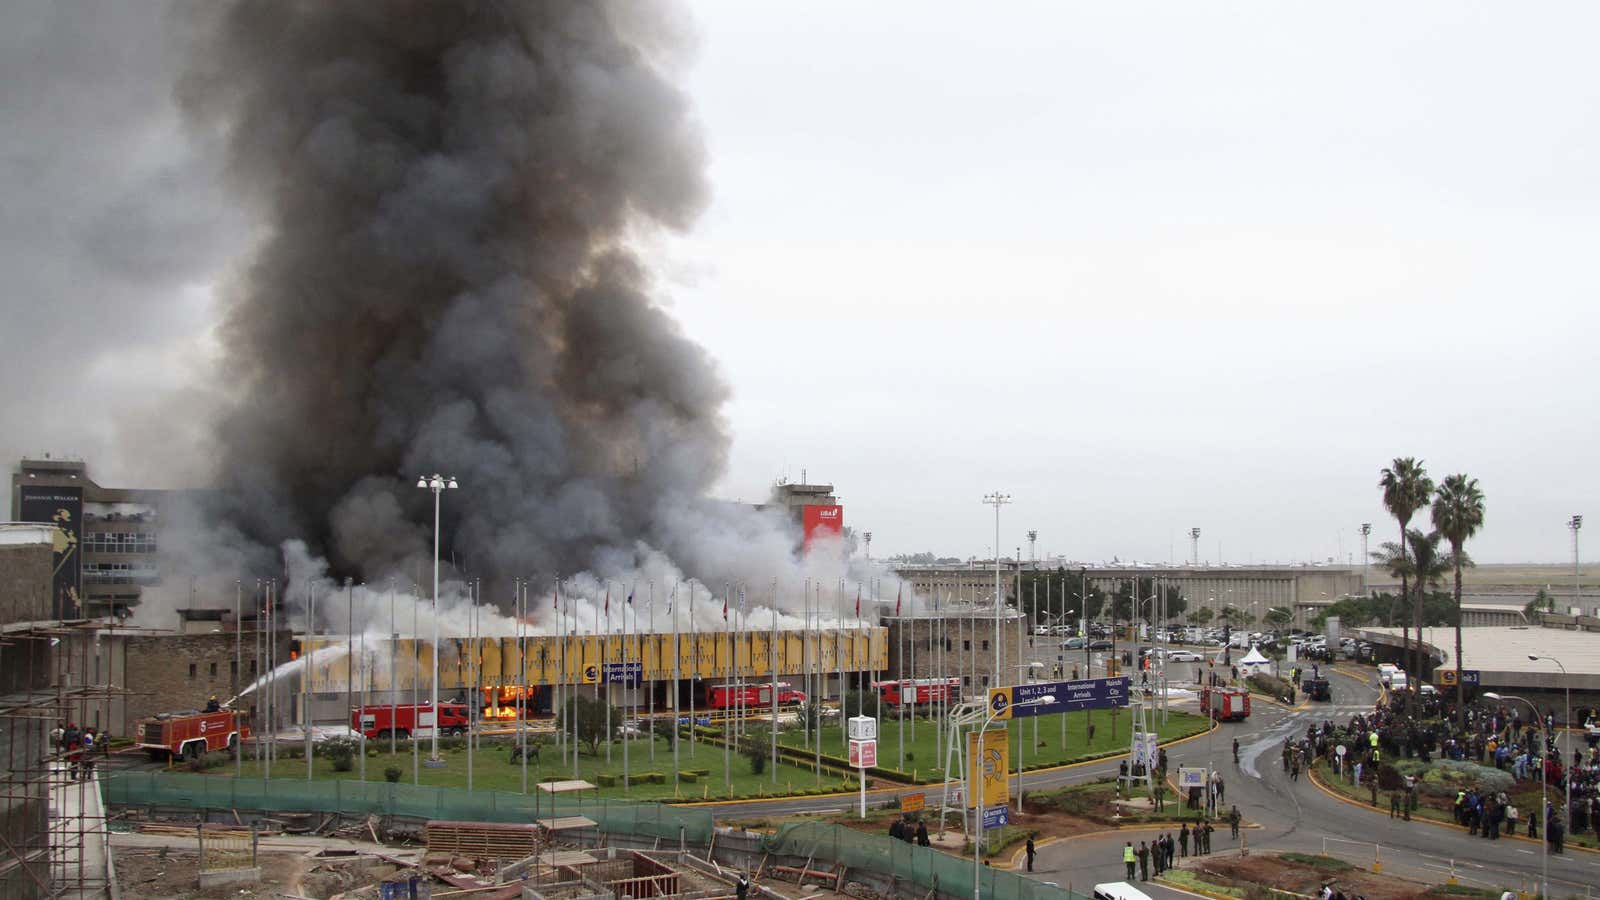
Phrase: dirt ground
(1306, 877)
(159, 873)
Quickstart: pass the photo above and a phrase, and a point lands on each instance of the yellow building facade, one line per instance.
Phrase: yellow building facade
(543, 660)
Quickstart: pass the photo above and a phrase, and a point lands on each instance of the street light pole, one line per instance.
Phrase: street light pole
(438, 484)
(997, 500)
(1575, 523)
(978, 802)
(1366, 529)
(1566, 686)
(1544, 845)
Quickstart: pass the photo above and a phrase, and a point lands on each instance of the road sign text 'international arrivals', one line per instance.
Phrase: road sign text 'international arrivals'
(1070, 696)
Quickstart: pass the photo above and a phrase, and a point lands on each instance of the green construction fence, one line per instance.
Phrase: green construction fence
(193, 791)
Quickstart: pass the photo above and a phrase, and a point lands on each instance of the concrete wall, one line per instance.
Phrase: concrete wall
(969, 648)
(1253, 589)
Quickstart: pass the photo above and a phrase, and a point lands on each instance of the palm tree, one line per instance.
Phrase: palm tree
(1406, 489)
(1458, 514)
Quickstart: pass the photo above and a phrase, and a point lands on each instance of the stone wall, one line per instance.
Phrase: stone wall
(169, 672)
(25, 582)
(968, 648)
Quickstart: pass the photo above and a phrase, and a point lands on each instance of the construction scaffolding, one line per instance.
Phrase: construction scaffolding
(53, 839)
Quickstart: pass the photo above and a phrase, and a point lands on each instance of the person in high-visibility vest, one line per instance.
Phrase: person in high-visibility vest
(1129, 859)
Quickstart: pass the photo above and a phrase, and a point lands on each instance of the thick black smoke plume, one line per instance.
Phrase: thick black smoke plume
(449, 196)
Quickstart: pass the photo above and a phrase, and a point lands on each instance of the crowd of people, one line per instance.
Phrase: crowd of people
(1424, 728)
(78, 747)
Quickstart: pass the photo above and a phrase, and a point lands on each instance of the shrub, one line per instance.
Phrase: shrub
(392, 774)
(689, 775)
(1388, 778)
(606, 780)
(342, 751)
(207, 761)
(1448, 776)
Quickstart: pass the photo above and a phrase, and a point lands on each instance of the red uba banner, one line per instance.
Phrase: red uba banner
(821, 522)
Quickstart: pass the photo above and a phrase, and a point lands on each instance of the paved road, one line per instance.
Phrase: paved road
(1297, 816)
(1288, 815)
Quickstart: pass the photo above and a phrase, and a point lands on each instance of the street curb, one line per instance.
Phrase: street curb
(1019, 854)
(1311, 772)
(1188, 889)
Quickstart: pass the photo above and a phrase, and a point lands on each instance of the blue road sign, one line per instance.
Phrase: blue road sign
(1071, 696)
(996, 816)
(624, 671)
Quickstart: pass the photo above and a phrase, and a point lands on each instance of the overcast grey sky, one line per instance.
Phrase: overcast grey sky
(1153, 266)
(1145, 267)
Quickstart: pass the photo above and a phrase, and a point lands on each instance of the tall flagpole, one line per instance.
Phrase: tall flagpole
(818, 676)
(772, 671)
(727, 742)
(677, 679)
(602, 684)
(694, 674)
(838, 657)
(522, 679)
(655, 658)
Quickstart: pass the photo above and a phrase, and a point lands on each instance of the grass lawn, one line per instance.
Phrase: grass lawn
(493, 770)
(1525, 798)
(922, 757)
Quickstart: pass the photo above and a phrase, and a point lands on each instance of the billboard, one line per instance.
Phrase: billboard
(988, 768)
(1070, 696)
(821, 522)
(62, 508)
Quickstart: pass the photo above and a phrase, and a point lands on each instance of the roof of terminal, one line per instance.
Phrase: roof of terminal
(1506, 650)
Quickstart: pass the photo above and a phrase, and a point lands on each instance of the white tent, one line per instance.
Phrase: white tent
(1254, 662)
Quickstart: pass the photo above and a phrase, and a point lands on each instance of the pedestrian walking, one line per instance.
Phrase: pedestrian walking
(1394, 804)
(1233, 821)
(1031, 852)
(1129, 859)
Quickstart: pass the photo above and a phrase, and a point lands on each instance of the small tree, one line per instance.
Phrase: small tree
(756, 747)
(590, 715)
(1279, 616)
(1203, 615)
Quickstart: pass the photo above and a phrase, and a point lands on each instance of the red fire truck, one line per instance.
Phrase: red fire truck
(752, 696)
(188, 734)
(916, 691)
(403, 718)
(1227, 704)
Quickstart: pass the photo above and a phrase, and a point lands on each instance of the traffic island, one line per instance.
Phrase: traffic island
(1437, 783)
(1295, 876)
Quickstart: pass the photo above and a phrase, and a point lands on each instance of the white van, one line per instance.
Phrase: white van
(1397, 681)
(1386, 673)
(1118, 890)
